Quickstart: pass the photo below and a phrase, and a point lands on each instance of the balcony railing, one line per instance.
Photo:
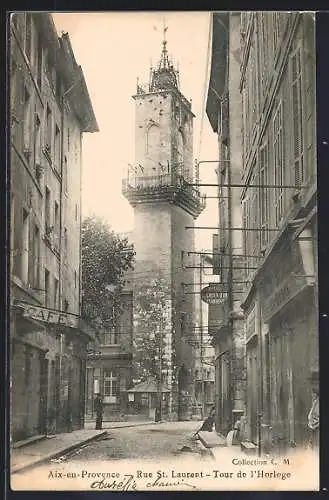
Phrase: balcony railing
(172, 181)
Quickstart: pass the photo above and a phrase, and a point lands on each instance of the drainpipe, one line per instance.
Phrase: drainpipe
(260, 408)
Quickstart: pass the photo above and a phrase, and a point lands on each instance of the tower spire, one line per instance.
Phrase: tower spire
(164, 60)
(164, 76)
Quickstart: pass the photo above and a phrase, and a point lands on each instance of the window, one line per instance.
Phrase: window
(56, 294)
(36, 257)
(144, 399)
(25, 248)
(264, 50)
(278, 164)
(182, 255)
(47, 298)
(276, 29)
(264, 194)
(49, 126)
(297, 117)
(56, 224)
(47, 212)
(153, 143)
(28, 36)
(27, 124)
(253, 214)
(39, 61)
(65, 174)
(310, 102)
(57, 148)
(110, 388)
(111, 337)
(37, 147)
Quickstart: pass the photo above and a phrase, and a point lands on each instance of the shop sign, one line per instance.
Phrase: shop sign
(281, 296)
(50, 316)
(218, 316)
(214, 293)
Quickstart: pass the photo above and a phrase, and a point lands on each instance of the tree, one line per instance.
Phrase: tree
(106, 257)
(152, 338)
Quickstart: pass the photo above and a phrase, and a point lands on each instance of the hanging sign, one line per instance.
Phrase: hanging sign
(49, 316)
(214, 294)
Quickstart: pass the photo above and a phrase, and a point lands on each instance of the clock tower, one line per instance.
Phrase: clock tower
(160, 186)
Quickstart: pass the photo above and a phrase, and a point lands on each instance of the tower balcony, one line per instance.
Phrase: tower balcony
(171, 187)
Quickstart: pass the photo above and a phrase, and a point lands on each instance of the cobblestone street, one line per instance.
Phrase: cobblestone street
(145, 442)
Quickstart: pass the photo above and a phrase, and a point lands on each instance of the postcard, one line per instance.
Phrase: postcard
(163, 251)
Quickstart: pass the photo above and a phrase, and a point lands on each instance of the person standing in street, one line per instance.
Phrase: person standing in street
(208, 423)
(314, 413)
(99, 411)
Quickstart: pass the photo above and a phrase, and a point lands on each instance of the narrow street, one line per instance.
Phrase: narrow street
(147, 442)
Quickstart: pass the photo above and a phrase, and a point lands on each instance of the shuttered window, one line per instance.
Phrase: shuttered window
(263, 50)
(297, 116)
(264, 194)
(310, 104)
(278, 164)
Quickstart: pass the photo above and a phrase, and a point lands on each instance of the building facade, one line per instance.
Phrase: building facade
(204, 369)
(50, 109)
(165, 206)
(109, 362)
(226, 324)
(279, 155)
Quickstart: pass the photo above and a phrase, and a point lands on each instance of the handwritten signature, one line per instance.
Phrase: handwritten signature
(128, 483)
(164, 484)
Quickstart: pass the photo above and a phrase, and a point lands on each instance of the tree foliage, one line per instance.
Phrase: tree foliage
(106, 257)
(152, 326)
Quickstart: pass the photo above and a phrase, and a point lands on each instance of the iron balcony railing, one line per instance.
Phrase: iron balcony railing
(158, 182)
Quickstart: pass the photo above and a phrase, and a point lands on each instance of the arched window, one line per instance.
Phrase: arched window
(152, 140)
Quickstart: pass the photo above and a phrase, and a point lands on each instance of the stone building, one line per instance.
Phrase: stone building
(226, 325)
(109, 362)
(277, 85)
(50, 109)
(165, 204)
(204, 369)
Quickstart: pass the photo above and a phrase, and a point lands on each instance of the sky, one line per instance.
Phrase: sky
(114, 49)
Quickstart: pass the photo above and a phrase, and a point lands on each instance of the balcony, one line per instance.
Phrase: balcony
(169, 187)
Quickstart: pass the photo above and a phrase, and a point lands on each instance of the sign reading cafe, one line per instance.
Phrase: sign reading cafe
(49, 315)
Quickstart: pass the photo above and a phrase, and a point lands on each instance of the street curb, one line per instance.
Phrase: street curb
(28, 442)
(208, 447)
(132, 425)
(56, 453)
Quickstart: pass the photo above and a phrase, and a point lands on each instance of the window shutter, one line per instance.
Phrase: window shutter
(297, 115)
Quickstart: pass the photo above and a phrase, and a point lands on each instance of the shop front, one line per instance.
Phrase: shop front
(289, 312)
(47, 371)
(109, 378)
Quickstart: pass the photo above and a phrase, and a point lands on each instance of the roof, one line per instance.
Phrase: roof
(60, 50)
(148, 386)
(218, 71)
